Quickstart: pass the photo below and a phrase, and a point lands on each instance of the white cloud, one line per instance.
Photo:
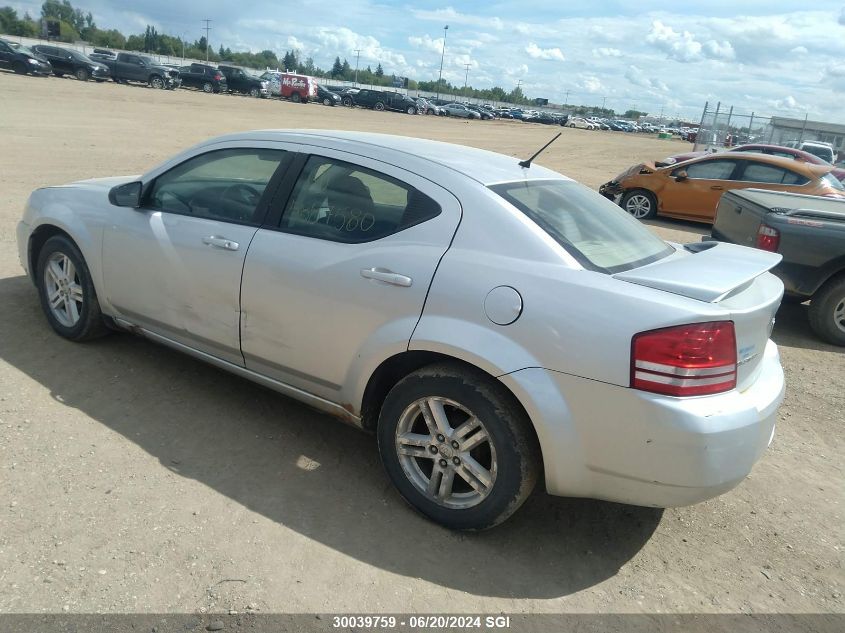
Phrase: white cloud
(536, 52)
(591, 84)
(295, 43)
(426, 43)
(638, 77)
(719, 50)
(786, 103)
(799, 50)
(450, 16)
(607, 52)
(346, 41)
(680, 46)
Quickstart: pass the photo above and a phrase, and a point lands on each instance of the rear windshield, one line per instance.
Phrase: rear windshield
(599, 234)
(825, 153)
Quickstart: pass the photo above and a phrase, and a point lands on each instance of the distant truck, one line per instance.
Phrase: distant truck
(383, 100)
(240, 81)
(125, 67)
(809, 231)
(297, 88)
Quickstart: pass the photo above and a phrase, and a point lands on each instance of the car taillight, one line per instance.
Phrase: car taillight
(685, 360)
(218, 76)
(768, 239)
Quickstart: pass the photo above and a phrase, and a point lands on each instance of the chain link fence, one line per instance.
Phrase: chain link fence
(722, 126)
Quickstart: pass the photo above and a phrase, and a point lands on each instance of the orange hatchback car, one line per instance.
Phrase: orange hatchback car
(691, 190)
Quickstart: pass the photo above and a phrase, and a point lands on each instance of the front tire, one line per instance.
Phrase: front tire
(82, 74)
(640, 203)
(827, 311)
(458, 447)
(295, 97)
(156, 82)
(67, 294)
(254, 92)
(412, 110)
(327, 101)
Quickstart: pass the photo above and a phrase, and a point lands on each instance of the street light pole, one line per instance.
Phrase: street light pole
(466, 77)
(442, 55)
(357, 57)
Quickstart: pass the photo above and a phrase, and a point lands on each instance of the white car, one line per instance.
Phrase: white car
(491, 321)
(581, 123)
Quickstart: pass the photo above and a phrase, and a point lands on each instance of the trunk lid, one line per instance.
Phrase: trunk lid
(734, 278)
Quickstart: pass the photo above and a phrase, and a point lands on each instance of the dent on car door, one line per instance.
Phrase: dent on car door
(343, 275)
(174, 266)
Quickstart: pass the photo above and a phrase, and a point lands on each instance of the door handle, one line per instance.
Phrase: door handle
(220, 242)
(387, 276)
(717, 187)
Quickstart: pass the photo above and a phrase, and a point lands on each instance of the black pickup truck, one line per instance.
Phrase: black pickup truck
(382, 100)
(809, 231)
(132, 67)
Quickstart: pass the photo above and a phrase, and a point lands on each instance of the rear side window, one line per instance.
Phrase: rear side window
(596, 232)
(711, 170)
(772, 174)
(341, 202)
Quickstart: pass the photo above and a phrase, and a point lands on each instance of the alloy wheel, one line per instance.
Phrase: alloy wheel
(64, 290)
(839, 315)
(638, 205)
(446, 452)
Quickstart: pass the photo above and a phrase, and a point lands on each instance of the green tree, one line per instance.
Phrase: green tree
(337, 67)
(633, 114)
(379, 71)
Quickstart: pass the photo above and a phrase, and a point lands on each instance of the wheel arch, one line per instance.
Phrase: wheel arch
(398, 366)
(36, 242)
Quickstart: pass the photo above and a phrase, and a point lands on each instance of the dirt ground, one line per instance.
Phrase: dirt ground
(135, 479)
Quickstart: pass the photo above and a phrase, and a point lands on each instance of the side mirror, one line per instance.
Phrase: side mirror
(681, 176)
(128, 195)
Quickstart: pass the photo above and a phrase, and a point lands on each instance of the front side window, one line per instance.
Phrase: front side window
(342, 202)
(220, 185)
(710, 170)
(596, 232)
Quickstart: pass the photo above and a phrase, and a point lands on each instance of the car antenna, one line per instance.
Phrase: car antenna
(527, 163)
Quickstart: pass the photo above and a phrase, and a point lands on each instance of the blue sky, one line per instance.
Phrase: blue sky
(770, 57)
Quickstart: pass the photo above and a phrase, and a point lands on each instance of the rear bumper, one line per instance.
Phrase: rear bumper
(619, 444)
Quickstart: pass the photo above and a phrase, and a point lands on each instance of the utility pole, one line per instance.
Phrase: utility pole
(207, 28)
(442, 55)
(357, 57)
(603, 101)
(566, 99)
(466, 77)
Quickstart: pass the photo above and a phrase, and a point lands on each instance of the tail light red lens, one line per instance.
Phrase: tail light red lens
(768, 239)
(686, 360)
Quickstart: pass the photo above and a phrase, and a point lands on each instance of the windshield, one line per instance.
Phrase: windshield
(825, 153)
(81, 57)
(22, 49)
(148, 61)
(599, 234)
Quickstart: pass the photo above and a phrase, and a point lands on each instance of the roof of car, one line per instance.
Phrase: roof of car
(808, 169)
(481, 165)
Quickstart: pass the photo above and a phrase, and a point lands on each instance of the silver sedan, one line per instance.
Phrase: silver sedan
(490, 321)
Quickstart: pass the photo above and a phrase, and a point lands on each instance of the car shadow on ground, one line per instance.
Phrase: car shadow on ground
(307, 471)
(792, 329)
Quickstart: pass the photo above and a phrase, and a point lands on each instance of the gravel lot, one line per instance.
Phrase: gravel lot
(135, 479)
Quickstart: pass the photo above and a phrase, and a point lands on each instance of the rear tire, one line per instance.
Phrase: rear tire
(469, 457)
(379, 106)
(827, 311)
(640, 203)
(82, 74)
(208, 87)
(254, 92)
(412, 110)
(327, 101)
(64, 279)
